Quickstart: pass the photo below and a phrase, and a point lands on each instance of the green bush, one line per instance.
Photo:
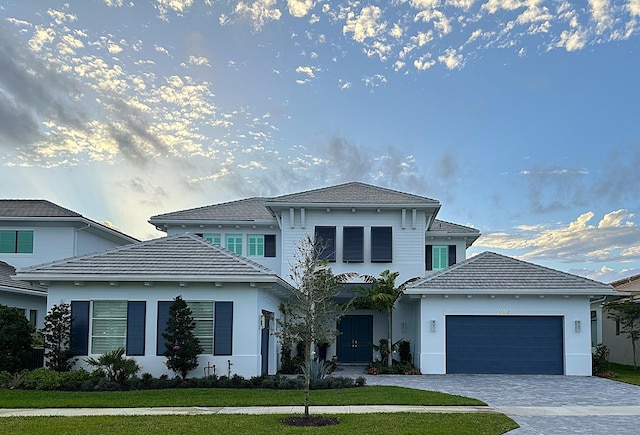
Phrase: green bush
(76, 380)
(15, 340)
(116, 367)
(42, 379)
(600, 360)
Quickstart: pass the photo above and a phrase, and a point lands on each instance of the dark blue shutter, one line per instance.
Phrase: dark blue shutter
(136, 312)
(353, 244)
(428, 257)
(326, 236)
(269, 245)
(80, 327)
(381, 245)
(223, 329)
(452, 255)
(163, 320)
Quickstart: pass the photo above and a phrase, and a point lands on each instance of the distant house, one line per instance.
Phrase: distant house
(38, 231)
(619, 344)
(231, 263)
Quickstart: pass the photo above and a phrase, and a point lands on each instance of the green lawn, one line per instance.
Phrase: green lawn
(625, 374)
(401, 423)
(373, 395)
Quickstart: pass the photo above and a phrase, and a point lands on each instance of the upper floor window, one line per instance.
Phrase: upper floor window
(213, 238)
(234, 243)
(381, 245)
(353, 244)
(16, 242)
(439, 257)
(255, 245)
(326, 238)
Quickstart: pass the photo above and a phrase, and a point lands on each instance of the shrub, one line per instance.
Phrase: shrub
(115, 366)
(600, 360)
(42, 379)
(15, 339)
(182, 346)
(57, 338)
(404, 349)
(76, 380)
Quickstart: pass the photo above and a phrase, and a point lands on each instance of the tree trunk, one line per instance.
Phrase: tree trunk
(389, 338)
(307, 378)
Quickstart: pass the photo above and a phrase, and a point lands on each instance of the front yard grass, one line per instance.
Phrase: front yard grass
(400, 423)
(625, 373)
(372, 395)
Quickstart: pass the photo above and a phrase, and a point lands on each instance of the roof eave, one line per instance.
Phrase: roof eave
(512, 291)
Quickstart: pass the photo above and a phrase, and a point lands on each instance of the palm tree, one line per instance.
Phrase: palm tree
(382, 296)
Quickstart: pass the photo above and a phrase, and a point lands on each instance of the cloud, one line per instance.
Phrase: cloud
(579, 241)
(199, 61)
(551, 188)
(366, 24)
(299, 8)
(259, 12)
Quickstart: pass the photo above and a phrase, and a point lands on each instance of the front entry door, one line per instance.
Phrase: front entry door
(355, 343)
(264, 343)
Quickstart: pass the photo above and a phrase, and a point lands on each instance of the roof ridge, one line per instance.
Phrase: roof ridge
(354, 183)
(202, 207)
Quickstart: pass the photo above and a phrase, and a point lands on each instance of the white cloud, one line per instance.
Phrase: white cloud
(572, 40)
(299, 8)
(396, 31)
(366, 25)
(424, 62)
(634, 7)
(600, 14)
(41, 37)
(451, 59)
(309, 71)
(259, 12)
(199, 61)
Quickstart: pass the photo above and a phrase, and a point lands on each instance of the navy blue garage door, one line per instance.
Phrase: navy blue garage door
(505, 344)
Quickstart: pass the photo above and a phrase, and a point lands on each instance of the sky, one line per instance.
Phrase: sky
(520, 116)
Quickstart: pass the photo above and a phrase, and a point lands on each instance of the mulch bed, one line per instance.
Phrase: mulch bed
(312, 420)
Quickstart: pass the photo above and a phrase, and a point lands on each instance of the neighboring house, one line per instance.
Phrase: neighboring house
(38, 231)
(619, 344)
(237, 256)
(121, 298)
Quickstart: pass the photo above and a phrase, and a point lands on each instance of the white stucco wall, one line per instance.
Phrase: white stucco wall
(577, 345)
(248, 305)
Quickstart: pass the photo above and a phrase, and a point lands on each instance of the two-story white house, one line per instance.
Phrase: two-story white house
(38, 231)
(231, 262)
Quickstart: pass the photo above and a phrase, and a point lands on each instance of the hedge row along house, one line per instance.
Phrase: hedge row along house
(231, 261)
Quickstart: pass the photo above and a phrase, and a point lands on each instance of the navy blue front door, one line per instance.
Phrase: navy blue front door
(264, 345)
(505, 344)
(355, 343)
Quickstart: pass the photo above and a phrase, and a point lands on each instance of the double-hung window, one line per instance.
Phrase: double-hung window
(202, 313)
(108, 326)
(381, 245)
(325, 239)
(213, 238)
(353, 244)
(234, 243)
(16, 242)
(440, 257)
(255, 245)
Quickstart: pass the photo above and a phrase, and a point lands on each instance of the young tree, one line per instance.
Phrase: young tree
(182, 345)
(627, 313)
(311, 315)
(57, 338)
(15, 339)
(382, 296)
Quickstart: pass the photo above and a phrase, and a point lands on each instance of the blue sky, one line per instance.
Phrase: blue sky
(520, 116)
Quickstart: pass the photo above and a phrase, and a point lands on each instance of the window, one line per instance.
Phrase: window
(16, 242)
(108, 326)
(234, 243)
(255, 246)
(202, 313)
(326, 237)
(270, 245)
(594, 328)
(353, 244)
(33, 317)
(440, 258)
(381, 245)
(212, 238)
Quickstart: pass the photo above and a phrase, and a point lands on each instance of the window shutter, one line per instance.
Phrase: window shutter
(80, 327)
(353, 244)
(136, 312)
(223, 329)
(269, 245)
(452, 255)
(428, 255)
(381, 245)
(163, 320)
(327, 235)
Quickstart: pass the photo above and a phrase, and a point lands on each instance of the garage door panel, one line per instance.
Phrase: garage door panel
(505, 344)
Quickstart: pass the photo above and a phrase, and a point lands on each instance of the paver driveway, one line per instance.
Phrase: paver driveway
(542, 404)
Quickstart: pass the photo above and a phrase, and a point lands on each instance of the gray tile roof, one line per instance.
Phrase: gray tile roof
(449, 227)
(171, 258)
(6, 271)
(33, 208)
(629, 284)
(250, 209)
(495, 272)
(354, 193)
